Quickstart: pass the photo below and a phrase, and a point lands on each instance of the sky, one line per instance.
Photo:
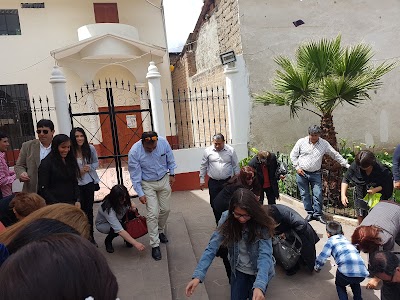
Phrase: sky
(180, 18)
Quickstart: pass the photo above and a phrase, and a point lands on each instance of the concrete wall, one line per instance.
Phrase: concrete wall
(267, 31)
(55, 26)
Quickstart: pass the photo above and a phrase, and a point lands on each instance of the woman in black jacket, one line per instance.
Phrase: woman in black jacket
(58, 173)
(269, 171)
(288, 219)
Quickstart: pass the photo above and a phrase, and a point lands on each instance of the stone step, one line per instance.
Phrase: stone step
(139, 276)
(181, 258)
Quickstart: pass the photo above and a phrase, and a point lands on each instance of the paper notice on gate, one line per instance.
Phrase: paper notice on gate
(131, 121)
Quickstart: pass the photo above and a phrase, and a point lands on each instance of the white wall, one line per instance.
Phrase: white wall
(188, 160)
(55, 26)
(267, 31)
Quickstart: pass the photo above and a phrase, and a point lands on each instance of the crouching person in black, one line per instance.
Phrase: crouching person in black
(288, 219)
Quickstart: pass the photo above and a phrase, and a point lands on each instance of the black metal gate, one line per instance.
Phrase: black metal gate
(113, 115)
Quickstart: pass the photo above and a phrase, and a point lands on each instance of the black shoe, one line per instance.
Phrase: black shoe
(128, 245)
(309, 218)
(156, 253)
(109, 246)
(163, 238)
(321, 219)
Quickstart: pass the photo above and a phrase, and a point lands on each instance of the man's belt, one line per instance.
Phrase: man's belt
(221, 179)
(156, 179)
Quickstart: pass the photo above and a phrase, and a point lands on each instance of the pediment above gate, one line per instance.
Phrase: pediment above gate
(108, 47)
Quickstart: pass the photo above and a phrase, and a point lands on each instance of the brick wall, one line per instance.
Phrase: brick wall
(199, 68)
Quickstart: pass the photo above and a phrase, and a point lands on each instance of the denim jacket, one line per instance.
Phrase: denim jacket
(260, 253)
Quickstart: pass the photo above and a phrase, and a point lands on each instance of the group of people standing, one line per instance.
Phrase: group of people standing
(62, 169)
(244, 227)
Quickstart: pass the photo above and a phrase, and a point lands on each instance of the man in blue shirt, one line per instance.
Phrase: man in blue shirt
(151, 165)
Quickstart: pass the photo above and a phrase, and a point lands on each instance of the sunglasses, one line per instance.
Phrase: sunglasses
(150, 138)
(45, 131)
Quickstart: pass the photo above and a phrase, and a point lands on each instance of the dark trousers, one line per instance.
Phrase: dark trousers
(390, 291)
(87, 198)
(214, 187)
(269, 192)
(342, 281)
(7, 216)
(242, 286)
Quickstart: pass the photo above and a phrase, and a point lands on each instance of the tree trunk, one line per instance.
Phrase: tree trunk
(332, 174)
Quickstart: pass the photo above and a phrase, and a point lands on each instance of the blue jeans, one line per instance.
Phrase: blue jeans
(313, 179)
(242, 286)
(342, 281)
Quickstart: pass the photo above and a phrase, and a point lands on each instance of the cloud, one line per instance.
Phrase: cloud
(180, 18)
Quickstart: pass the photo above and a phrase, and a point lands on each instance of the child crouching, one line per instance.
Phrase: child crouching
(351, 269)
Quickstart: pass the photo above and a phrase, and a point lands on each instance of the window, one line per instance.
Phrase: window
(106, 12)
(16, 114)
(32, 5)
(9, 22)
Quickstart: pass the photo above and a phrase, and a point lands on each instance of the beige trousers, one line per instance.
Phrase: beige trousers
(158, 194)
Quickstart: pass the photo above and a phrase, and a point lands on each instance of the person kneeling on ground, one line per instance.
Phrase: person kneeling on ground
(351, 268)
(117, 204)
(246, 230)
(288, 219)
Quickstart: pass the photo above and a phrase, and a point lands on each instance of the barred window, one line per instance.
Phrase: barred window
(9, 22)
(16, 114)
(32, 5)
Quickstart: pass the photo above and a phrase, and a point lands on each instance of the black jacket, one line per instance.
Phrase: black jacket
(288, 218)
(273, 173)
(56, 183)
(380, 176)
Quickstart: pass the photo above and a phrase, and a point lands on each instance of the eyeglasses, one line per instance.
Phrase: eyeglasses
(39, 131)
(150, 138)
(244, 216)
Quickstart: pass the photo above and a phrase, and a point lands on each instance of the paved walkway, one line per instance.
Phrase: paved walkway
(189, 228)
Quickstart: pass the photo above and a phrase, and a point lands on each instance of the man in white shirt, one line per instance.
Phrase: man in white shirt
(307, 157)
(31, 154)
(219, 162)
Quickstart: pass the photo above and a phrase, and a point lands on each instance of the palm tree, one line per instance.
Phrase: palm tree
(323, 76)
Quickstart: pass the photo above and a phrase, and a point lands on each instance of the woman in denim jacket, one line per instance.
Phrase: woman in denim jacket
(246, 230)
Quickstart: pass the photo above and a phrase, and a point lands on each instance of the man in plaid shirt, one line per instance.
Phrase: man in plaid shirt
(351, 269)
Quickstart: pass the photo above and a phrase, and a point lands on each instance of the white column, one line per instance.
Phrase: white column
(238, 103)
(157, 107)
(58, 81)
(144, 104)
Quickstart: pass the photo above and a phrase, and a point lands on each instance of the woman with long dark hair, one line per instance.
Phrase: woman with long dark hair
(245, 179)
(246, 230)
(86, 157)
(116, 206)
(58, 173)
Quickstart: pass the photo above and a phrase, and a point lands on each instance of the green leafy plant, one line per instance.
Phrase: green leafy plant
(245, 161)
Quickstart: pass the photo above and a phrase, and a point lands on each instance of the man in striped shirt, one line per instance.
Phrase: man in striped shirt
(351, 269)
(306, 157)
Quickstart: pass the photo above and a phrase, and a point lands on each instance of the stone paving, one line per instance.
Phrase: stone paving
(189, 228)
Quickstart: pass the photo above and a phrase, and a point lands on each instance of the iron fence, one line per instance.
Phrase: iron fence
(195, 116)
(333, 206)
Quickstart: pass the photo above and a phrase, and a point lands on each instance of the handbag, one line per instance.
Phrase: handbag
(287, 253)
(96, 185)
(136, 227)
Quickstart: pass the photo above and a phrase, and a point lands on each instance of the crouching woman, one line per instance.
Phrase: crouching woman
(111, 216)
(246, 230)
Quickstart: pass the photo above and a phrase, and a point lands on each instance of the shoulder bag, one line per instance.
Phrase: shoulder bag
(136, 227)
(287, 253)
